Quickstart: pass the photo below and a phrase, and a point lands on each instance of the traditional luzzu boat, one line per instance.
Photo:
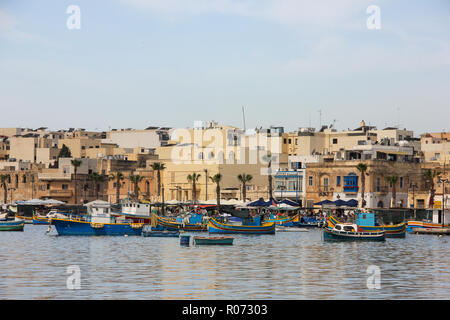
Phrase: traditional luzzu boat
(213, 241)
(349, 232)
(284, 220)
(98, 222)
(11, 225)
(366, 223)
(247, 227)
(308, 222)
(37, 219)
(423, 225)
(193, 222)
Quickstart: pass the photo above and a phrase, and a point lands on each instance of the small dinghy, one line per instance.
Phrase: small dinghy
(213, 240)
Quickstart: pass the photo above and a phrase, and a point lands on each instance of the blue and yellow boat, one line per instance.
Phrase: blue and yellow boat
(98, 222)
(256, 227)
(40, 220)
(191, 223)
(283, 220)
(11, 225)
(366, 223)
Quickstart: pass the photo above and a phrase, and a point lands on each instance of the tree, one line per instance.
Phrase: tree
(194, 178)
(430, 175)
(269, 158)
(76, 163)
(97, 178)
(158, 167)
(4, 178)
(362, 167)
(216, 179)
(244, 178)
(118, 177)
(393, 181)
(64, 152)
(135, 179)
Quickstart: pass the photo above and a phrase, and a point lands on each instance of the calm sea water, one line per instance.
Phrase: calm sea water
(288, 265)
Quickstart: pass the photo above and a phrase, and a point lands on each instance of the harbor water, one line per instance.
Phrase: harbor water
(287, 265)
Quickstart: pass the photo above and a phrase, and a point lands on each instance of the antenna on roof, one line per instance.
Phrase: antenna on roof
(243, 116)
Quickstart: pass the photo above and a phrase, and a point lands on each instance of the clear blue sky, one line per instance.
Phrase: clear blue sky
(136, 63)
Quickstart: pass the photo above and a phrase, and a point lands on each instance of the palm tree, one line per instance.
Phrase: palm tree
(117, 177)
(4, 178)
(244, 178)
(97, 178)
(393, 181)
(269, 158)
(193, 178)
(216, 179)
(430, 175)
(362, 167)
(76, 163)
(135, 179)
(158, 167)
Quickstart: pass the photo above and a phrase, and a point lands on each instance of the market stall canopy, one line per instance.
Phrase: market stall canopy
(324, 202)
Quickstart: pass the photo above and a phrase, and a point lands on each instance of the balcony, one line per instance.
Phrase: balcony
(57, 193)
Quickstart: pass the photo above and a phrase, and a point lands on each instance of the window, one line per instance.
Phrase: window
(338, 180)
(284, 141)
(337, 227)
(378, 184)
(296, 141)
(290, 141)
(325, 184)
(351, 183)
(401, 182)
(65, 187)
(335, 141)
(310, 180)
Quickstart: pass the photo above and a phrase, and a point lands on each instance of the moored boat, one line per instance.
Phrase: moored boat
(37, 219)
(215, 226)
(194, 222)
(349, 232)
(98, 221)
(290, 229)
(366, 223)
(12, 225)
(283, 220)
(213, 240)
(423, 225)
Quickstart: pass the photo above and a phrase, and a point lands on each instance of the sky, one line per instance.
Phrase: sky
(291, 63)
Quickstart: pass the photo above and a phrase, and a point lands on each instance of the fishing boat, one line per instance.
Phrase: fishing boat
(247, 227)
(213, 240)
(192, 222)
(309, 222)
(98, 221)
(159, 231)
(349, 232)
(38, 219)
(366, 222)
(11, 225)
(423, 225)
(283, 220)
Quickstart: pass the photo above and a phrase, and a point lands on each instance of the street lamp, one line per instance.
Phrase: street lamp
(414, 186)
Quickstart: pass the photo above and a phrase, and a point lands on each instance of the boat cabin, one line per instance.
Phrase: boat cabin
(136, 208)
(350, 227)
(365, 219)
(99, 211)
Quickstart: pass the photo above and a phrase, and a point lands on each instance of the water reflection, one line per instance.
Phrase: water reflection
(283, 266)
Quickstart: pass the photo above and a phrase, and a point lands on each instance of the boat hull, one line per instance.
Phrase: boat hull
(284, 221)
(163, 234)
(218, 241)
(40, 220)
(392, 231)
(69, 227)
(217, 227)
(12, 225)
(423, 225)
(332, 235)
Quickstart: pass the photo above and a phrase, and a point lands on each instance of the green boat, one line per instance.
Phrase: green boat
(213, 240)
(12, 225)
